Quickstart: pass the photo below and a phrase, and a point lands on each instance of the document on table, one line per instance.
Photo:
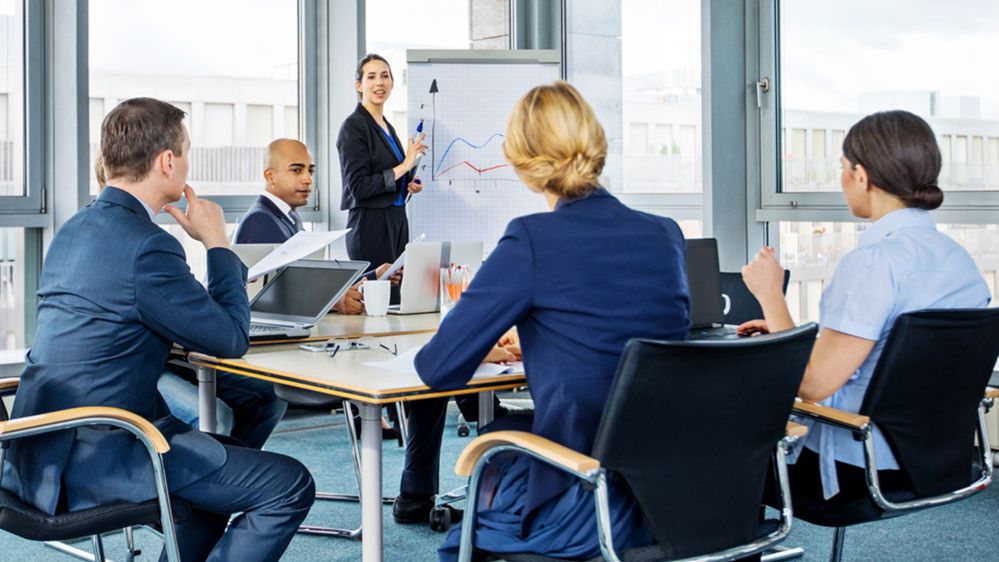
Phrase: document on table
(403, 363)
(398, 261)
(297, 247)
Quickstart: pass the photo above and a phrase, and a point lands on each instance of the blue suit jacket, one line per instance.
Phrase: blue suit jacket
(578, 283)
(264, 223)
(115, 294)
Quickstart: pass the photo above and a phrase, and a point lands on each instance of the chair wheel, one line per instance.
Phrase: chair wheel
(440, 519)
(463, 430)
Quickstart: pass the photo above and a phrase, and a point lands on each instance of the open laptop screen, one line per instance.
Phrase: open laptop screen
(704, 281)
(302, 291)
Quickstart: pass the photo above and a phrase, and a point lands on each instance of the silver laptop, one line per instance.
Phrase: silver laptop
(421, 279)
(298, 296)
(250, 254)
(462, 252)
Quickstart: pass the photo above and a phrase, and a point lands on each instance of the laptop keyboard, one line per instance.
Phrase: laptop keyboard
(266, 329)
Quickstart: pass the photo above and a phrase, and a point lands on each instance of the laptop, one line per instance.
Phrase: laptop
(707, 316)
(298, 296)
(250, 254)
(462, 253)
(421, 280)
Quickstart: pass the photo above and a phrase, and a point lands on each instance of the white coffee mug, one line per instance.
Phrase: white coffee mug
(376, 297)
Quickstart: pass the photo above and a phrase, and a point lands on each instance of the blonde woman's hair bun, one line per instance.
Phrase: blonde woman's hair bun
(554, 141)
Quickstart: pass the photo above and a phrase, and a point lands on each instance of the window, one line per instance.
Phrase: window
(661, 105)
(232, 65)
(392, 27)
(12, 288)
(836, 67)
(812, 250)
(12, 87)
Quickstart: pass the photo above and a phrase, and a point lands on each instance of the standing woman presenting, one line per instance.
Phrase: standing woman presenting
(377, 176)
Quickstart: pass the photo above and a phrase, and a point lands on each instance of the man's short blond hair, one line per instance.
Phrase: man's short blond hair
(554, 141)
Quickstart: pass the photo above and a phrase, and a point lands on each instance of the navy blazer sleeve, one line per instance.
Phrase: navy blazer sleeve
(499, 296)
(355, 149)
(259, 228)
(173, 304)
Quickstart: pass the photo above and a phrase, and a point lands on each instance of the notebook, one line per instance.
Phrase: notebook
(298, 296)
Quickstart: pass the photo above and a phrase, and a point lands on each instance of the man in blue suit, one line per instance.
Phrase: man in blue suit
(115, 294)
(273, 217)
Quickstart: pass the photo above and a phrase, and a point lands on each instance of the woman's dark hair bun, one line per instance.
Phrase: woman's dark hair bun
(928, 196)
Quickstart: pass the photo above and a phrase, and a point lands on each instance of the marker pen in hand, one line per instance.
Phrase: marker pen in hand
(419, 129)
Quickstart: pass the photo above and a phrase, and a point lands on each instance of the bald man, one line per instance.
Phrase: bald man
(272, 219)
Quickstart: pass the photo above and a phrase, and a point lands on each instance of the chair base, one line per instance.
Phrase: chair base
(782, 553)
(351, 534)
(354, 498)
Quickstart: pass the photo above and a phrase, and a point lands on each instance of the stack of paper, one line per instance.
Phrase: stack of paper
(297, 247)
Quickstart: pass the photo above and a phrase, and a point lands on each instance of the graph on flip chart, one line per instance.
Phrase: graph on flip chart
(470, 191)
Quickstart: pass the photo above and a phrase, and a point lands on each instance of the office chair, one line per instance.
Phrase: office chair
(721, 408)
(925, 397)
(741, 304)
(24, 520)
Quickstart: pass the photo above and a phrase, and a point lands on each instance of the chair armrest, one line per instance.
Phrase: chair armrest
(795, 430)
(12, 427)
(9, 383)
(554, 453)
(992, 392)
(826, 414)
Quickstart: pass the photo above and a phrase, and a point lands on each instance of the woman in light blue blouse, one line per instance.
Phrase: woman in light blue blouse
(902, 263)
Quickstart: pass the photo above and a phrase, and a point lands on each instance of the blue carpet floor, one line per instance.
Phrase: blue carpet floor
(962, 531)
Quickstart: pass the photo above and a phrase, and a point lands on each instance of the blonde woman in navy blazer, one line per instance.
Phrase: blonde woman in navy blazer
(577, 283)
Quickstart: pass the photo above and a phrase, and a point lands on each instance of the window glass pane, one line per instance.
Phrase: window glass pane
(11, 288)
(662, 96)
(233, 84)
(812, 250)
(12, 98)
(836, 67)
(393, 27)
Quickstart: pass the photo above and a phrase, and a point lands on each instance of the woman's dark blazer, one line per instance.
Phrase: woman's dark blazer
(578, 283)
(366, 162)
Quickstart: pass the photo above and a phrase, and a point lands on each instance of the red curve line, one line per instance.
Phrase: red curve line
(467, 163)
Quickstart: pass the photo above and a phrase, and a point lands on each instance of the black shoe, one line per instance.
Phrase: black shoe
(407, 510)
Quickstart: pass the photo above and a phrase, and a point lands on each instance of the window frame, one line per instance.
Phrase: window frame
(29, 209)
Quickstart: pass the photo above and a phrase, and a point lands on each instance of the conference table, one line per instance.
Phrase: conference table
(349, 375)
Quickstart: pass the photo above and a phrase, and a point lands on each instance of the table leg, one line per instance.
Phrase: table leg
(485, 408)
(206, 399)
(371, 483)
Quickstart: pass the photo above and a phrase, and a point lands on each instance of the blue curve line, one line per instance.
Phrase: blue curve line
(440, 164)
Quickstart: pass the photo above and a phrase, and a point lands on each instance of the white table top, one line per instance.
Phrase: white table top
(347, 374)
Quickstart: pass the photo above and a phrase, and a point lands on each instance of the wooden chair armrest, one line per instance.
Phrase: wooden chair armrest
(9, 383)
(76, 414)
(855, 421)
(557, 454)
(795, 430)
(991, 392)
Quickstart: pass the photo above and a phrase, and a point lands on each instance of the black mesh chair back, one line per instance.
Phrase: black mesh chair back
(691, 427)
(925, 391)
(742, 305)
